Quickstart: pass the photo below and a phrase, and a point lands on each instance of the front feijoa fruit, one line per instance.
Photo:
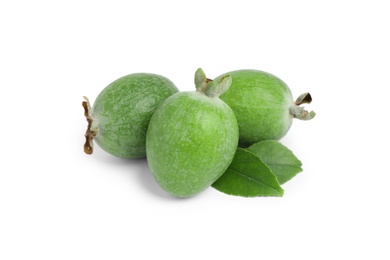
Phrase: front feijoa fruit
(192, 138)
(263, 105)
(121, 113)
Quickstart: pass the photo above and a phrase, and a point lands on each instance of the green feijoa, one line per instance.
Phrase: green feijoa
(119, 118)
(192, 138)
(263, 105)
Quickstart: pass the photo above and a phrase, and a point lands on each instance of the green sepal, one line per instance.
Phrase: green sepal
(200, 80)
(209, 87)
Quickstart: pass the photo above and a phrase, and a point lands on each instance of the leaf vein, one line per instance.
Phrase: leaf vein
(287, 165)
(254, 180)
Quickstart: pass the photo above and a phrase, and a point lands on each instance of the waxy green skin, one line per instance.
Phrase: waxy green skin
(261, 103)
(191, 140)
(122, 111)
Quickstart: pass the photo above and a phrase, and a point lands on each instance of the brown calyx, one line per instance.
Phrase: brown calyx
(89, 134)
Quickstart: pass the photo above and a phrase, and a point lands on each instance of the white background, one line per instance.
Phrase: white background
(58, 203)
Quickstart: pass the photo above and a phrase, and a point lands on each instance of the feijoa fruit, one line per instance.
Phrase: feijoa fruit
(121, 113)
(192, 138)
(263, 105)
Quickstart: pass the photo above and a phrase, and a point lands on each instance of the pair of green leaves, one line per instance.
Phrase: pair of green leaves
(259, 170)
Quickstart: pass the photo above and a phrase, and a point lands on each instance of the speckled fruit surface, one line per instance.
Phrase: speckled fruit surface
(191, 141)
(122, 111)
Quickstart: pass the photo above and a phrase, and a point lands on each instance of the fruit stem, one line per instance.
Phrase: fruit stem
(89, 134)
(209, 87)
(300, 112)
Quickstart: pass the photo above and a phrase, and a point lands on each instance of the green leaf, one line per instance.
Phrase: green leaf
(283, 163)
(248, 176)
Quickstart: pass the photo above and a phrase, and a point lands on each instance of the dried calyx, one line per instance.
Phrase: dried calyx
(300, 112)
(90, 133)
